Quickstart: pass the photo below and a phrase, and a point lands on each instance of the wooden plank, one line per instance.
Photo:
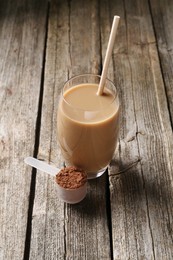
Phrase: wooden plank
(141, 172)
(162, 21)
(59, 230)
(22, 32)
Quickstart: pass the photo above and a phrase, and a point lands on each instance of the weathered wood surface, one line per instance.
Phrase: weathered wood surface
(141, 195)
(22, 34)
(64, 231)
(161, 12)
(129, 214)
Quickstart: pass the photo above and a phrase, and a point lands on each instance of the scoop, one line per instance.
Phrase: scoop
(68, 195)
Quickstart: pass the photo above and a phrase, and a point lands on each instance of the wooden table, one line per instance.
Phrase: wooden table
(128, 212)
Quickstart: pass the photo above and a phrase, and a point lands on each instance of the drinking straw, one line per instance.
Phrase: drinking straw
(108, 54)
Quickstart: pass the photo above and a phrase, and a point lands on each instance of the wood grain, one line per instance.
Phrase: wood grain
(141, 172)
(61, 231)
(22, 32)
(128, 214)
(161, 13)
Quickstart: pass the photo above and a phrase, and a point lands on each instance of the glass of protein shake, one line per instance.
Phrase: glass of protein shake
(88, 123)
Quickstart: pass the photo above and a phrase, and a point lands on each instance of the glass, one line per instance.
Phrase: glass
(88, 124)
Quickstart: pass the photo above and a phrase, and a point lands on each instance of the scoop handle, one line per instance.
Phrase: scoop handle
(42, 166)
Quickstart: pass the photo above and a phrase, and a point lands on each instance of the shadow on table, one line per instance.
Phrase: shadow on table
(95, 201)
(131, 186)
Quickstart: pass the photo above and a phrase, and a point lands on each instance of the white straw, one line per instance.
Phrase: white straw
(108, 54)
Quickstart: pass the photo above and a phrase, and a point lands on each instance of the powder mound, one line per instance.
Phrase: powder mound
(71, 178)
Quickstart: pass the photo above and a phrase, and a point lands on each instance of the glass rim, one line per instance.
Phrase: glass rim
(83, 75)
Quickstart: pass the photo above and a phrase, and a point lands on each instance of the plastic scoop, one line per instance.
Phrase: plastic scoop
(42, 166)
(108, 54)
(68, 195)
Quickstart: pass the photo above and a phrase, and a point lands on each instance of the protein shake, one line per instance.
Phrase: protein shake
(88, 124)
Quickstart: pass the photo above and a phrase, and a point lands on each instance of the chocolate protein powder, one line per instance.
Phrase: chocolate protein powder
(71, 178)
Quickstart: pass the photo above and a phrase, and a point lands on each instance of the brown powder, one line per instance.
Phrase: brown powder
(71, 177)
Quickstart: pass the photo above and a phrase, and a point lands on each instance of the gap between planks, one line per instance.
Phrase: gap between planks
(36, 147)
(161, 67)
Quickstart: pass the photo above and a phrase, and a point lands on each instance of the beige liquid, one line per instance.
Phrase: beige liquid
(88, 127)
